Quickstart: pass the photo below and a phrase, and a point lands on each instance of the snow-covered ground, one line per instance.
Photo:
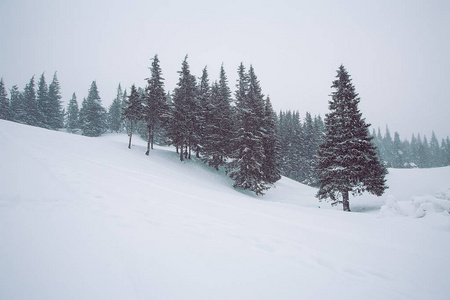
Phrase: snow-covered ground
(87, 218)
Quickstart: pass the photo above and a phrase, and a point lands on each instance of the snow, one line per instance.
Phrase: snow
(87, 218)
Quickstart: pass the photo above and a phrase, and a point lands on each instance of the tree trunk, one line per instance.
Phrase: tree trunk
(131, 134)
(345, 201)
(153, 132)
(148, 141)
(181, 152)
(190, 149)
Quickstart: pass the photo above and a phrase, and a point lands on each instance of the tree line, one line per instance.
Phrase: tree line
(417, 153)
(199, 118)
(238, 131)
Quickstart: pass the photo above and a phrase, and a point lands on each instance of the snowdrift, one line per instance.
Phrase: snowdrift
(86, 218)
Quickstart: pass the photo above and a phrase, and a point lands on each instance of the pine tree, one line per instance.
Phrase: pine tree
(204, 98)
(115, 112)
(56, 119)
(347, 158)
(183, 122)
(218, 126)
(388, 148)
(132, 110)
(30, 105)
(446, 152)
(398, 159)
(271, 145)
(435, 152)
(424, 153)
(309, 151)
(125, 122)
(154, 101)
(16, 105)
(414, 152)
(248, 155)
(93, 116)
(5, 111)
(43, 103)
(72, 115)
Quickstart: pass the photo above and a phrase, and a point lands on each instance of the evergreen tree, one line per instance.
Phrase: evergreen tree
(218, 127)
(347, 158)
(17, 107)
(271, 145)
(5, 112)
(435, 152)
(30, 105)
(93, 116)
(154, 102)
(414, 151)
(248, 155)
(309, 151)
(204, 98)
(44, 108)
(56, 117)
(443, 153)
(72, 115)
(183, 122)
(424, 153)
(398, 159)
(125, 122)
(388, 148)
(226, 114)
(447, 152)
(132, 111)
(115, 112)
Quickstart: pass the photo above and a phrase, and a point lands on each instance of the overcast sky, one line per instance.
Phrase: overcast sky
(397, 52)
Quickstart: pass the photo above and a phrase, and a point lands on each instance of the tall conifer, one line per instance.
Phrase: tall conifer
(347, 159)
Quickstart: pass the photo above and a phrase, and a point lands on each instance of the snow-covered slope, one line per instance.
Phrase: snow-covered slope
(86, 218)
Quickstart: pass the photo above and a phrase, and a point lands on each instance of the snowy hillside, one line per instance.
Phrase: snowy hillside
(87, 218)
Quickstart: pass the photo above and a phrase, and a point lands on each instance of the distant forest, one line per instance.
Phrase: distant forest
(238, 131)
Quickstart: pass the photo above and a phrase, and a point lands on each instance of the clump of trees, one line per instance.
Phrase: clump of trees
(417, 153)
(236, 131)
(33, 106)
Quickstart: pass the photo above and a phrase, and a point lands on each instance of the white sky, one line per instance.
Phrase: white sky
(397, 52)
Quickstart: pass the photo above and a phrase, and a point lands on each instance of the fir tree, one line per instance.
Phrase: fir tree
(125, 122)
(204, 98)
(309, 151)
(30, 106)
(154, 101)
(115, 112)
(93, 116)
(248, 155)
(56, 117)
(414, 151)
(435, 152)
(5, 112)
(43, 102)
(16, 105)
(72, 115)
(424, 153)
(218, 127)
(398, 155)
(132, 111)
(183, 122)
(271, 145)
(388, 148)
(347, 160)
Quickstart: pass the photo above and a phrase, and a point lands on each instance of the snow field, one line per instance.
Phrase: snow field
(87, 218)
